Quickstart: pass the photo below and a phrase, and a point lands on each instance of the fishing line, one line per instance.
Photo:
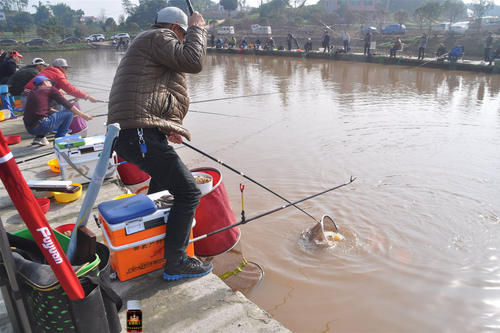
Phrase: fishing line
(194, 111)
(250, 179)
(246, 96)
(92, 84)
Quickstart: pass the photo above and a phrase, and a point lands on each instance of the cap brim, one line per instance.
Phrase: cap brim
(184, 27)
(20, 56)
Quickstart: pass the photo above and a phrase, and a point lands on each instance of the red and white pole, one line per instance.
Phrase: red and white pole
(35, 220)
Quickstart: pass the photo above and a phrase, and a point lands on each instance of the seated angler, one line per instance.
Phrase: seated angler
(40, 119)
(398, 45)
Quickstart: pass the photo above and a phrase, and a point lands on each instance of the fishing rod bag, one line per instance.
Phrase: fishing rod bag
(50, 309)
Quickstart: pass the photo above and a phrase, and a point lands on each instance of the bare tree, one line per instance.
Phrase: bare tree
(453, 10)
(381, 16)
(401, 16)
(429, 12)
(17, 5)
(481, 7)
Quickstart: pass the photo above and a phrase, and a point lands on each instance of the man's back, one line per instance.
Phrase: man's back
(7, 68)
(149, 89)
(21, 78)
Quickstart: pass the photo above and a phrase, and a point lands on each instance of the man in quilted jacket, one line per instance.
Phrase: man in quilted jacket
(149, 100)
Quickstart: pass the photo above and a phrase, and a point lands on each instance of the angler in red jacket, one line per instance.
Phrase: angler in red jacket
(57, 74)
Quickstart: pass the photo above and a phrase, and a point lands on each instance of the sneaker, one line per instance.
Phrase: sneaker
(40, 141)
(186, 268)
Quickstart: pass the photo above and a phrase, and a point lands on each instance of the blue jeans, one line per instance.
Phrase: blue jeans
(58, 121)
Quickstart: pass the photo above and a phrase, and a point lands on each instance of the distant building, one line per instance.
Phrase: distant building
(354, 5)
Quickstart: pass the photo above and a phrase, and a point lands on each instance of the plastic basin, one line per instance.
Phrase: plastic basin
(13, 139)
(44, 204)
(66, 229)
(68, 197)
(203, 187)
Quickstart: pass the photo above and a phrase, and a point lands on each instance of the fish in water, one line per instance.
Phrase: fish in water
(324, 233)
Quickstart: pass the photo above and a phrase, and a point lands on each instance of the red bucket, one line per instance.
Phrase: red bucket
(44, 204)
(214, 212)
(130, 174)
(66, 229)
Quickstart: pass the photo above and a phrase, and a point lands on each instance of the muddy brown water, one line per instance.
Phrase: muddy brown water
(422, 220)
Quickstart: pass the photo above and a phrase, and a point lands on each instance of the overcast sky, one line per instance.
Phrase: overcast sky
(114, 8)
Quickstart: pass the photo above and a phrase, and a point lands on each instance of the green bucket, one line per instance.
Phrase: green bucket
(62, 238)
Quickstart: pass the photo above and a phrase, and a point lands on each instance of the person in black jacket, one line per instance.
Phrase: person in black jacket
(17, 81)
(9, 66)
(326, 42)
(368, 40)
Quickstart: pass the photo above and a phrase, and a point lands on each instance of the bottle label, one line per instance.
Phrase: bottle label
(134, 321)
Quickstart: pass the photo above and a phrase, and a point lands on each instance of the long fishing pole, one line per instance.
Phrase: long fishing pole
(242, 96)
(190, 7)
(35, 157)
(194, 111)
(328, 27)
(270, 211)
(438, 58)
(250, 179)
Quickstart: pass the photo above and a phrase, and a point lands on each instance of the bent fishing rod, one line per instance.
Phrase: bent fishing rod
(244, 221)
(194, 111)
(252, 180)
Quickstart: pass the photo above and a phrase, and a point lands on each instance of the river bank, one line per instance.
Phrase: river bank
(402, 59)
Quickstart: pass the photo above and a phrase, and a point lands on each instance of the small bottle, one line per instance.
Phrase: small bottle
(134, 316)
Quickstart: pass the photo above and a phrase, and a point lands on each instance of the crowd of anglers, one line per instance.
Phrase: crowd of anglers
(38, 87)
(442, 53)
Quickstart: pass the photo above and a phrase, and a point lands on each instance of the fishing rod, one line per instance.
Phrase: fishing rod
(93, 84)
(244, 221)
(243, 96)
(35, 157)
(194, 111)
(328, 27)
(438, 58)
(250, 179)
(190, 7)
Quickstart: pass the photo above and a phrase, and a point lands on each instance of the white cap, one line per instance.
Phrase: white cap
(133, 305)
(172, 15)
(39, 61)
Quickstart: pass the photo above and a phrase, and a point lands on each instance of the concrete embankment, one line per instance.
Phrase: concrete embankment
(400, 60)
(198, 305)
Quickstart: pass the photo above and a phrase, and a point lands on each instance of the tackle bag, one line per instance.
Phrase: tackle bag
(50, 309)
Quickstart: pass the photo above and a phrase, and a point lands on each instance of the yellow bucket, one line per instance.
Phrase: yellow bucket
(4, 114)
(68, 197)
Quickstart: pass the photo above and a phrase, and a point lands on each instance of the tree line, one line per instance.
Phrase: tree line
(61, 20)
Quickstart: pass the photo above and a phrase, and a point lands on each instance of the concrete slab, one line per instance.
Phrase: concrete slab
(197, 305)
